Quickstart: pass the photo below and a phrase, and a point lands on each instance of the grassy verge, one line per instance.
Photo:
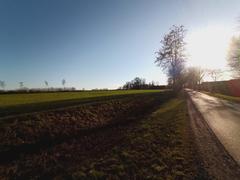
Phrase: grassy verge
(160, 147)
(225, 97)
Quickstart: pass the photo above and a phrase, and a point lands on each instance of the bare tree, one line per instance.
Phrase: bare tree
(171, 56)
(63, 83)
(21, 85)
(201, 74)
(170, 82)
(2, 84)
(215, 74)
(46, 83)
(194, 76)
(234, 56)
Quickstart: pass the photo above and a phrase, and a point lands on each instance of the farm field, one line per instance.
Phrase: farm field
(11, 104)
(122, 138)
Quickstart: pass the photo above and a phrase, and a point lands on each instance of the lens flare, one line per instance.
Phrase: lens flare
(207, 47)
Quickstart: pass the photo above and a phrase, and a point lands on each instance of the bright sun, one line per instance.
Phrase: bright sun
(207, 47)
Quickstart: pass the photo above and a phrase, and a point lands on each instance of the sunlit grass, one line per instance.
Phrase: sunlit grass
(12, 104)
(157, 146)
(29, 98)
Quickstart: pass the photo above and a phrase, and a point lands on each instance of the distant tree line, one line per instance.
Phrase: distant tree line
(23, 88)
(193, 76)
(38, 90)
(140, 83)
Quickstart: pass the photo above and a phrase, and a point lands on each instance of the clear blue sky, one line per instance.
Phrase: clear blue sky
(95, 43)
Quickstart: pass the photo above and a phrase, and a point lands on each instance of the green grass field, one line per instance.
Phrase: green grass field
(11, 104)
(29, 98)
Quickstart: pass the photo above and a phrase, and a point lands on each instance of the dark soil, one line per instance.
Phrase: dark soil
(147, 138)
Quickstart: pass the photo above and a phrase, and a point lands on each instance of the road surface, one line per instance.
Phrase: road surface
(223, 117)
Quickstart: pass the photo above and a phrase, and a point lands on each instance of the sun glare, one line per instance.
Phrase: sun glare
(207, 47)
